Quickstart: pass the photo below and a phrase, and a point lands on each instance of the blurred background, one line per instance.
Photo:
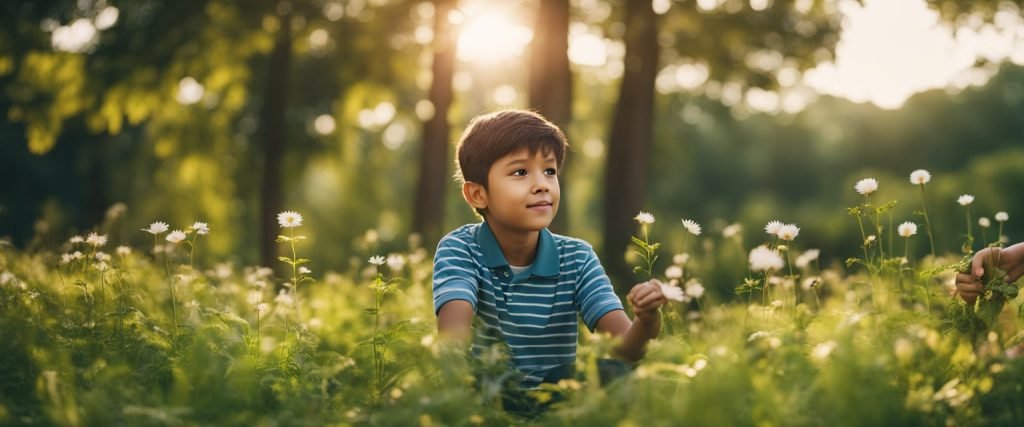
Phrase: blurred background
(720, 111)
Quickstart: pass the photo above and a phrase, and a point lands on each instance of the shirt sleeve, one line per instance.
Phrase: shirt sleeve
(455, 277)
(595, 296)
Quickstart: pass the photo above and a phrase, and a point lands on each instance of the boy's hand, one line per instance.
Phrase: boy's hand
(1010, 260)
(646, 298)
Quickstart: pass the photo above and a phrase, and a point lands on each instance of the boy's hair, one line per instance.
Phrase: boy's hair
(489, 137)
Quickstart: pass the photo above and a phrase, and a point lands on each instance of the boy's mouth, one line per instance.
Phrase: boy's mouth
(539, 204)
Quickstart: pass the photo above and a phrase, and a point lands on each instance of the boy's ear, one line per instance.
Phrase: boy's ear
(475, 194)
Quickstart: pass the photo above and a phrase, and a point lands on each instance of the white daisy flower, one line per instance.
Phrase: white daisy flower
(920, 177)
(156, 228)
(176, 236)
(788, 232)
(694, 289)
(807, 257)
(673, 293)
(262, 308)
(773, 227)
(692, 227)
(965, 199)
(907, 229)
(644, 218)
(201, 228)
(102, 256)
(1002, 216)
(304, 270)
(763, 259)
(65, 258)
(395, 262)
(124, 250)
(984, 222)
(681, 259)
(77, 255)
(866, 186)
(289, 219)
(76, 239)
(674, 272)
(731, 231)
(377, 260)
(96, 240)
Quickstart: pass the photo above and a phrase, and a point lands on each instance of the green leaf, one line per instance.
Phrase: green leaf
(371, 311)
(283, 239)
(284, 259)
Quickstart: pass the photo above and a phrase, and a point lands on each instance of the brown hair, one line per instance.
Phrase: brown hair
(489, 137)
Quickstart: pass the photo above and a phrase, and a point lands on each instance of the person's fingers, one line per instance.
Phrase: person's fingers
(977, 263)
(641, 292)
(967, 279)
(1015, 274)
(969, 287)
(650, 299)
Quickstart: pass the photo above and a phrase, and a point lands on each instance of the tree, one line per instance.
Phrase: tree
(550, 79)
(434, 158)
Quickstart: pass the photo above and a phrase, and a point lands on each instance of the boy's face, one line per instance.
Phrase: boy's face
(522, 193)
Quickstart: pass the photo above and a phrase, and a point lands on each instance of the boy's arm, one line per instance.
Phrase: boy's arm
(646, 299)
(455, 320)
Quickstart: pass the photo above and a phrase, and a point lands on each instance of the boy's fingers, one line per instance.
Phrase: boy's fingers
(964, 279)
(977, 263)
(649, 299)
(1015, 274)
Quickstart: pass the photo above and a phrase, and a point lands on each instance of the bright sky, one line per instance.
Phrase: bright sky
(891, 49)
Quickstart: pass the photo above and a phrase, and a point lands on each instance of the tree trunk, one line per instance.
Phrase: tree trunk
(430, 191)
(273, 134)
(550, 84)
(631, 139)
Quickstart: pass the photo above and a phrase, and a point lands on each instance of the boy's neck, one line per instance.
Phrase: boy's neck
(519, 248)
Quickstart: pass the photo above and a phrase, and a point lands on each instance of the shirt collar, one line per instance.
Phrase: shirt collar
(545, 263)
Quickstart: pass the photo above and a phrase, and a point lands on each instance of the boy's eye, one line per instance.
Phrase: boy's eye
(519, 172)
(551, 171)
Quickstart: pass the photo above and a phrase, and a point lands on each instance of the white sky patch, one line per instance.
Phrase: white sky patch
(892, 49)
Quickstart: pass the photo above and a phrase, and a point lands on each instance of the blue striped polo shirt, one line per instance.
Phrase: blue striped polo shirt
(532, 314)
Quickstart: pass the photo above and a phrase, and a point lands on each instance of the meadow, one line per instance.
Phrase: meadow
(96, 333)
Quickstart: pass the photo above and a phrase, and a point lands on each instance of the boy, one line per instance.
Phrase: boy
(525, 285)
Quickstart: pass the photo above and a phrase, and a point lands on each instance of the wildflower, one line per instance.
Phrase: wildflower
(788, 232)
(96, 240)
(965, 199)
(304, 270)
(124, 250)
(871, 238)
(284, 298)
(810, 282)
(377, 260)
(396, 262)
(866, 186)
(201, 228)
(805, 258)
(674, 272)
(65, 258)
(731, 230)
(907, 229)
(289, 219)
(156, 228)
(673, 293)
(773, 227)
(920, 177)
(644, 218)
(984, 222)
(692, 227)
(102, 266)
(1002, 216)
(262, 308)
(102, 256)
(176, 236)
(694, 289)
(76, 239)
(76, 255)
(763, 259)
(680, 259)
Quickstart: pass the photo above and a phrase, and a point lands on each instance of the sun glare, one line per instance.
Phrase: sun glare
(491, 36)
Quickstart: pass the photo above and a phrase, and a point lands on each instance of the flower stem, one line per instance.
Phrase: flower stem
(927, 222)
